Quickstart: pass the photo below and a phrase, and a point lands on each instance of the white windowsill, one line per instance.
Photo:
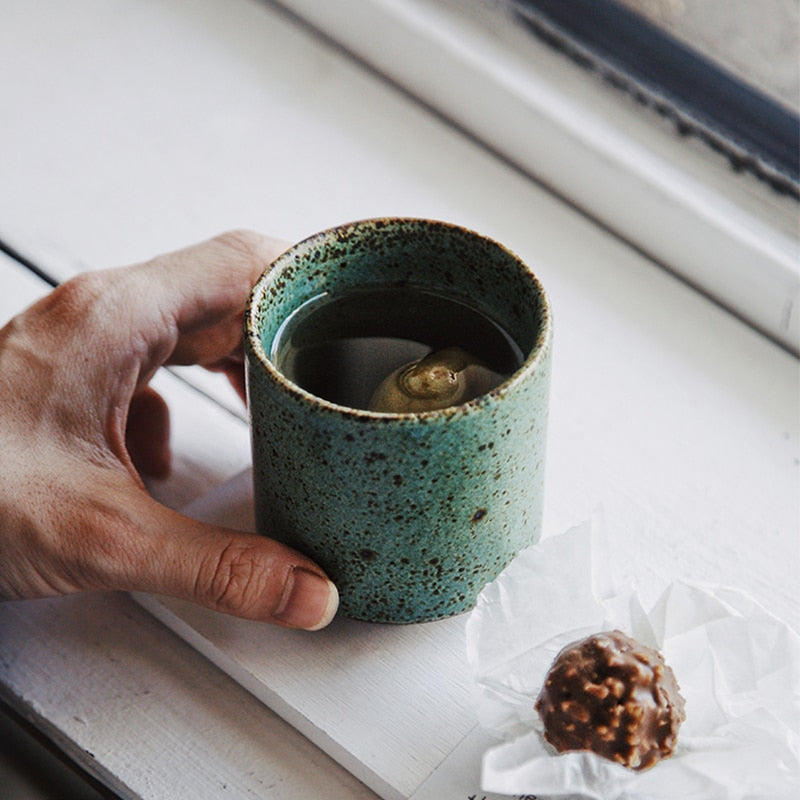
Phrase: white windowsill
(725, 233)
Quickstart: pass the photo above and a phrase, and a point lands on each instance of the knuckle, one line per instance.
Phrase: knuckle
(81, 291)
(236, 582)
(254, 249)
(242, 242)
(54, 313)
(77, 304)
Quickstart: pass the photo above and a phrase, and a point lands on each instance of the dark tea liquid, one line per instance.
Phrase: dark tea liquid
(341, 347)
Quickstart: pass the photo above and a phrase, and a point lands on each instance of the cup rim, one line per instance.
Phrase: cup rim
(274, 271)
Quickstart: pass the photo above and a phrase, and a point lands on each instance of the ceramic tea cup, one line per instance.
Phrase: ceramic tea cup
(410, 513)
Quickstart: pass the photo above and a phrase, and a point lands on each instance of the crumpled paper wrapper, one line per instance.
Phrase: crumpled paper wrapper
(737, 665)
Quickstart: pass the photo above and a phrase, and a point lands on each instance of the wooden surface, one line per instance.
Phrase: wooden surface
(130, 128)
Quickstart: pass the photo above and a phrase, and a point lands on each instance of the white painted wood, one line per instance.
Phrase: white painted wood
(146, 714)
(458, 776)
(19, 288)
(237, 117)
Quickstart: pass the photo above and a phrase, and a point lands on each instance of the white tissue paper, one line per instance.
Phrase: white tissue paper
(738, 668)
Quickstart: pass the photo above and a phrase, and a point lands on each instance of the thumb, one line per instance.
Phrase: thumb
(237, 573)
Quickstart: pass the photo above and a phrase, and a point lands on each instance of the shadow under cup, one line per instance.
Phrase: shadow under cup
(409, 514)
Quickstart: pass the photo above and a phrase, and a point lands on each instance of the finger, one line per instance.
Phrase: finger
(219, 275)
(236, 573)
(147, 434)
(188, 309)
(237, 380)
(233, 369)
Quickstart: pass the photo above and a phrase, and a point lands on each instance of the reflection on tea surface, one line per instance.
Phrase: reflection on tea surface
(394, 350)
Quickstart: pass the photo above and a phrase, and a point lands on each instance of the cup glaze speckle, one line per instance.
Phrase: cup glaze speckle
(409, 514)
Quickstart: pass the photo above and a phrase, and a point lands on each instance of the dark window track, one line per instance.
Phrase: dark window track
(757, 134)
(27, 263)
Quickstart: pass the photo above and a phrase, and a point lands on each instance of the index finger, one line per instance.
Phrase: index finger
(201, 292)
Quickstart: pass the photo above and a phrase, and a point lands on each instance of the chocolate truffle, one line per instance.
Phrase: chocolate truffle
(611, 695)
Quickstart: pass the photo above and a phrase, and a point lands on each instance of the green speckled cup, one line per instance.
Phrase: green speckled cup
(409, 514)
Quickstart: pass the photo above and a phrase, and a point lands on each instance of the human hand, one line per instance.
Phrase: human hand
(78, 421)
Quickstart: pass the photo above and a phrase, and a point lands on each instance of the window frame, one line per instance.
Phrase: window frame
(723, 231)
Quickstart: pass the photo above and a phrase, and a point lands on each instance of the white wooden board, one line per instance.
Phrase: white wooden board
(392, 704)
